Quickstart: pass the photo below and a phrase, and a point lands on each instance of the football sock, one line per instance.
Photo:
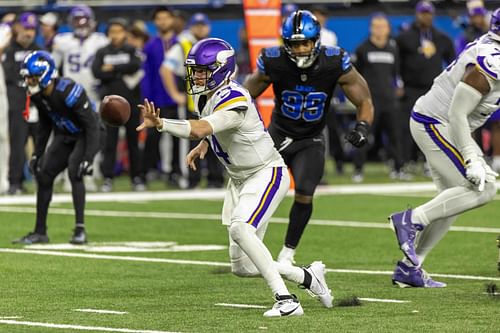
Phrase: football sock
(428, 238)
(244, 235)
(78, 194)
(299, 216)
(292, 273)
(43, 197)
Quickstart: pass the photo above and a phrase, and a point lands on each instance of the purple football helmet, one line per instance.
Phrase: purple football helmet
(81, 19)
(209, 64)
(494, 32)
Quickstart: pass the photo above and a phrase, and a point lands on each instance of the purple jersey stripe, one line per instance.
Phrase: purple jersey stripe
(423, 119)
(445, 147)
(480, 62)
(267, 197)
(232, 94)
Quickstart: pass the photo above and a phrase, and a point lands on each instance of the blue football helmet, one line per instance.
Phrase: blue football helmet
(299, 26)
(216, 58)
(41, 65)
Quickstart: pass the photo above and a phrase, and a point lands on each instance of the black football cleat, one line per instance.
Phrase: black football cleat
(79, 237)
(32, 238)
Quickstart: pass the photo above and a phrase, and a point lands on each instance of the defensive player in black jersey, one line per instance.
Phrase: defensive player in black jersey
(304, 75)
(65, 111)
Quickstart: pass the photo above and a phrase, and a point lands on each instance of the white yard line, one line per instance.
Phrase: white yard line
(215, 263)
(382, 300)
(210, 194)
(77, 327)
(217, 217)
(11, 317)
(242, 306)
(101, 311)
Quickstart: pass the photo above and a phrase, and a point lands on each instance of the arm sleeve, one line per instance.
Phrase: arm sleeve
(465, 100)
(224, 120)
(9, 68)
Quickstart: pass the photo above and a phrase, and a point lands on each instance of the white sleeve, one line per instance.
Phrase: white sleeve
(465, 100)
(224, 120)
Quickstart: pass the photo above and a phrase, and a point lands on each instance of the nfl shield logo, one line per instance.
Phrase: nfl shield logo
(303, 77)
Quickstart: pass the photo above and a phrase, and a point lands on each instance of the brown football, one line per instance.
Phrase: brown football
(115, 110)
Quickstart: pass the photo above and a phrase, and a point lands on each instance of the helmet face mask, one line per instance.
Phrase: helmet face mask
(38, 71)
(299, 27)
(210, 63)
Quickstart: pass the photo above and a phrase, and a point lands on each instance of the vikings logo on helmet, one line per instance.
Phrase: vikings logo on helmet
(300, 26)
(210, 61)
(81, 18)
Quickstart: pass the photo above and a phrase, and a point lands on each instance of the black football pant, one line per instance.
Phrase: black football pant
(64, 152)
(134, 154)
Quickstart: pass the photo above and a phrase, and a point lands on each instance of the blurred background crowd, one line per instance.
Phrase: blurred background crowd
(137, 50)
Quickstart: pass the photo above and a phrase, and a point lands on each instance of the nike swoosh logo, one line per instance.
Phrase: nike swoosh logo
(404, 218)
(404, 272)
(283, 313)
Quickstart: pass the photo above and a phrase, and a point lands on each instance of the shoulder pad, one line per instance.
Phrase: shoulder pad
(490, 64)
(229, 98)
(62, 84)
(73, 95)
(272, 52)
(331, 51)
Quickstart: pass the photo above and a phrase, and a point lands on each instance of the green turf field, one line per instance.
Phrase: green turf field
(179, 295)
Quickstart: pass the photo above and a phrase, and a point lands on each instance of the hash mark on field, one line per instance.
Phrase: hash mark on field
(220, 264)
(217, 217)
(77, 327)
(242, 306)
(101, 311)
(10, 317)
(382, 300)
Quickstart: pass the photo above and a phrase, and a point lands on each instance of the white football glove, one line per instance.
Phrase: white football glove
(475, 173)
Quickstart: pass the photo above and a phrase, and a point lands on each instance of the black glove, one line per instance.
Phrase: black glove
(359, 135)
(33, 165)
(85, 169)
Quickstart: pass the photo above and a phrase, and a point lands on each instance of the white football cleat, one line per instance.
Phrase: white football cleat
(318, 287)
(286, 256)
(286, 305)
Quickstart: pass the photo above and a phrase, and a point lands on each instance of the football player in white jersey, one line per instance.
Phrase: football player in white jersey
(74, 52)
(461, 99)
(259, 178)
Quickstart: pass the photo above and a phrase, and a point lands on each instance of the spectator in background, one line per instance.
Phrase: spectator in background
(423, 49)
(111, 65)
(21, 124)
(5, 38)
(377, 60)
(153, 89)
(179, 22)
(329, 38)
(74, 52)
(173, 74)
(48, 29)
(478, 25)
